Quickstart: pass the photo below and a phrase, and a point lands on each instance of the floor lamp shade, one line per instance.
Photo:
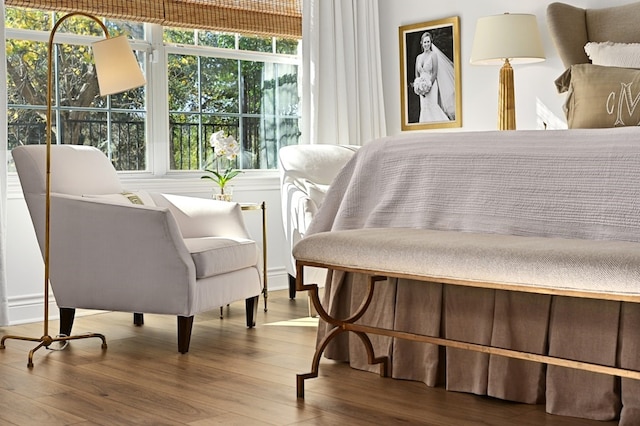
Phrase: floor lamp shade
(116, 66)
(507, 39)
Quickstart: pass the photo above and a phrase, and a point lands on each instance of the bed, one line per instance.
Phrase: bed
(372, 190)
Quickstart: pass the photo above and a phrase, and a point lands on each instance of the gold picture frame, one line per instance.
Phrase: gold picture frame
(423, 108)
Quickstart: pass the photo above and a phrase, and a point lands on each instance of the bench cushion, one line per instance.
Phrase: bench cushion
(608, 269)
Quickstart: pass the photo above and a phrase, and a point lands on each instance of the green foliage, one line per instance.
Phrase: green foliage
(217, 39)
(178, 36)
(255, 44)
(221, 178)
(287, 46)
(27, 19)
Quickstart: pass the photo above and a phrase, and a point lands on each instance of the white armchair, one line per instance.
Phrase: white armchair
(306, 171)
(170, 255)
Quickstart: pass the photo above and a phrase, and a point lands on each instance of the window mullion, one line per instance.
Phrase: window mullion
(157, 99)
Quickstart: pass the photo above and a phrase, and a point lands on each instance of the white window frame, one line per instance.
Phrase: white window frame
(158, 176)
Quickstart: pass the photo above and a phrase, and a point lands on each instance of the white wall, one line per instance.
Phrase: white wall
(533, 82)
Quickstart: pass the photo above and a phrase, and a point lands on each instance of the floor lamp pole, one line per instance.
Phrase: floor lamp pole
(46, 340)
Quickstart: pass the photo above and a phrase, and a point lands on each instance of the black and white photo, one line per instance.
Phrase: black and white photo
(430, 74)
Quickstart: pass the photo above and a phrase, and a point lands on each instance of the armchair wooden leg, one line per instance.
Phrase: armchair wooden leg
(251, 305)
(138, 319)
(185, 324)
(67, 315)
(292, 287)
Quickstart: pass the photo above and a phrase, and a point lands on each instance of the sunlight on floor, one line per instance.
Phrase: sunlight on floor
(298, 322)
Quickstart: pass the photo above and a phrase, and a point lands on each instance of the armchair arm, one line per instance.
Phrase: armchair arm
(201, 217)
(113, 256)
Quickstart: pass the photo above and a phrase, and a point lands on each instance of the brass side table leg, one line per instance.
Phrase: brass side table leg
(264, 254)
(263, 207)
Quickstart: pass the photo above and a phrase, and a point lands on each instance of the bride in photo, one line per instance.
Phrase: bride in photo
(434, 82)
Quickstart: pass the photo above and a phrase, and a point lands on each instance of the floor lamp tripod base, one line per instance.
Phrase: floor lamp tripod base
(46, 341)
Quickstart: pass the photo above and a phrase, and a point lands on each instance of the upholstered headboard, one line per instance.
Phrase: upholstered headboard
(572, 27)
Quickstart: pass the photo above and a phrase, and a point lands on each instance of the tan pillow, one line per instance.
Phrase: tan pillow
(600, 97)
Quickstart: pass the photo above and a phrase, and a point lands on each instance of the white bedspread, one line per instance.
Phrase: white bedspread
(578, 184)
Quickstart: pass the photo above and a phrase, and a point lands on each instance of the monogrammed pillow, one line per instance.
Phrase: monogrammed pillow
(600, 96)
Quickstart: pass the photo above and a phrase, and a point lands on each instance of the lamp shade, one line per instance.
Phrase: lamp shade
(508, 36)
(116, 66)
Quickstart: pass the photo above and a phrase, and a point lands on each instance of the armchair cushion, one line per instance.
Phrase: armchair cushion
(200, 217)
(215, 256)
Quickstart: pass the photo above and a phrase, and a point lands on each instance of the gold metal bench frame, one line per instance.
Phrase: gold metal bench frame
(348, 324)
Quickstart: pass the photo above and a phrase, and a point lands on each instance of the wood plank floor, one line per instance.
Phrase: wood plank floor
(231, 376)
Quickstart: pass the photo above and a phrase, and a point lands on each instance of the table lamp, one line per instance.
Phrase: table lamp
(117, 70)
(507, 39)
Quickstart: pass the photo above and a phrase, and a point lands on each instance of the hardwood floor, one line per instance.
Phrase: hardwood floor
(231, 376)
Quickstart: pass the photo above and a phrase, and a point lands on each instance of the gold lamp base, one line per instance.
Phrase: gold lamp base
(46, 341)
(506, 98)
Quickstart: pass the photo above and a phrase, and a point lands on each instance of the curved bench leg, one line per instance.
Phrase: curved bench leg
(371, 357)
(315, 364)
(339, 327)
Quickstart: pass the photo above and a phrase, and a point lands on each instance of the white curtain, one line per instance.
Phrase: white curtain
(342, 100)
(4, 307)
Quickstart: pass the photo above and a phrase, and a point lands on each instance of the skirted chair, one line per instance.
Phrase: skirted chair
(306, 171)
(134, 251)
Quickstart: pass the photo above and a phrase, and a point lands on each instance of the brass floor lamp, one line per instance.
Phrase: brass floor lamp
(117, 70)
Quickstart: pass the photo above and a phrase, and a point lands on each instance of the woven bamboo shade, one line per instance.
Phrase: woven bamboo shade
(266, 17)
(280, 18)
(130, 10)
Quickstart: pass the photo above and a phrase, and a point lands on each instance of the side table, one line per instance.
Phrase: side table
(261, 206)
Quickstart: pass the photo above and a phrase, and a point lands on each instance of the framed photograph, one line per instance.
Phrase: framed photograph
(430, 74)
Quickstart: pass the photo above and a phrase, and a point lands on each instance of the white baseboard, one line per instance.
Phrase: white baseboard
(29, 308)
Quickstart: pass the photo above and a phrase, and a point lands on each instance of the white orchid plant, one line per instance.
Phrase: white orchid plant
(223, 147)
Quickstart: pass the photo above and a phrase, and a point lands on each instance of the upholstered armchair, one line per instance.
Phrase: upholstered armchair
(306, 171)
(134, 251)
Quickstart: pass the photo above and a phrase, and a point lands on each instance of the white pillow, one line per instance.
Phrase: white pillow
(610, 54)
(127, 197)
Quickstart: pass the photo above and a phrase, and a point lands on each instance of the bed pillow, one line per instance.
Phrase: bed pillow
(625, 55)
(600, 97)
(127, 197)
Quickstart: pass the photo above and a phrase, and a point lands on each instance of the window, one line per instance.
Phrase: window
(115, 124)
(233, 83)
(205, 81)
